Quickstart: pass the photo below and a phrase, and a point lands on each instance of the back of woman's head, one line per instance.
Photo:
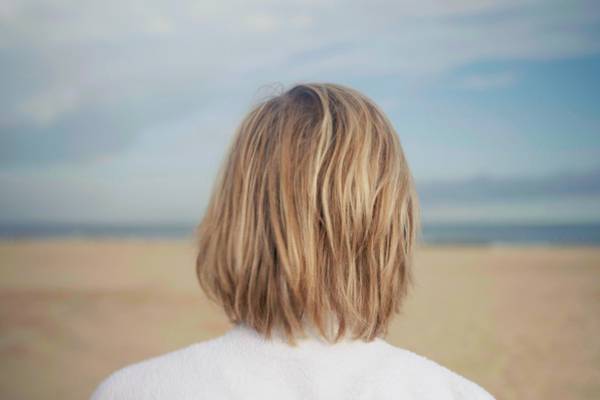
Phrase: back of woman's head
(312, 219)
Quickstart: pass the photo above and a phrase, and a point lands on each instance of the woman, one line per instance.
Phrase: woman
(307, 244)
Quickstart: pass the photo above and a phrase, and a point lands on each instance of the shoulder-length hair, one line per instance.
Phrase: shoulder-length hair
(312, 219)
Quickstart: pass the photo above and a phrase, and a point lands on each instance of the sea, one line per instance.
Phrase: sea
(432, 233)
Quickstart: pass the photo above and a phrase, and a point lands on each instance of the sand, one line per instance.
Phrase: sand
(523, 322)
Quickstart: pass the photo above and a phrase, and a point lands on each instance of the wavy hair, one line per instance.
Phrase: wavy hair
(312, 219)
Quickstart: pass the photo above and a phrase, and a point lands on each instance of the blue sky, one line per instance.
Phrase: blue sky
(120, 111)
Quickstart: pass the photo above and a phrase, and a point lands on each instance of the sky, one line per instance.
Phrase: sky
(120, 111)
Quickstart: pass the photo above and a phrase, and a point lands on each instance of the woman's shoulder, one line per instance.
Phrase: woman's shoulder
(228, 361)
(158, 374)
(428, 377)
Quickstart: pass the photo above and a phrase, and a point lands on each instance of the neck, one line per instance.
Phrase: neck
(311, 343)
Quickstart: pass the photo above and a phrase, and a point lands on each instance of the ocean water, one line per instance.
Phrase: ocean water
(445, 234)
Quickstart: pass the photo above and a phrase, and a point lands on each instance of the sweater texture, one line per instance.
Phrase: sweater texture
(242, 364)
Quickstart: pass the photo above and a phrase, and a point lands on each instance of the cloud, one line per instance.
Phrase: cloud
(84, 79)
(567, 197)
(485, 189)
(168, 192)
(539, 210)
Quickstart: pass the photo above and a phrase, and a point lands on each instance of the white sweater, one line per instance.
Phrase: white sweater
(241, 364)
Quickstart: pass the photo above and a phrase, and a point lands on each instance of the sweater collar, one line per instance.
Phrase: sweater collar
(312, 338)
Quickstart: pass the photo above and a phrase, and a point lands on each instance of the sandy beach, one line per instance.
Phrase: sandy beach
(523, 322)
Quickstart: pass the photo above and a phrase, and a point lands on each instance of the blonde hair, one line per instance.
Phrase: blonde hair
(313, 215)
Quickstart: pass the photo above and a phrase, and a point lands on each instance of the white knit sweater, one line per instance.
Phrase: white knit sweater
(241, 364)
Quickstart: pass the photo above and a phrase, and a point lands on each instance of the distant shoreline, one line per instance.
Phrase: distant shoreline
(432, 234)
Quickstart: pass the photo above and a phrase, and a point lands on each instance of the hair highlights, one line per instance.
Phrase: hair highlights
(312, 219)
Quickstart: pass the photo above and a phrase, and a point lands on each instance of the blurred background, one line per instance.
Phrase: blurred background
(115, 115)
